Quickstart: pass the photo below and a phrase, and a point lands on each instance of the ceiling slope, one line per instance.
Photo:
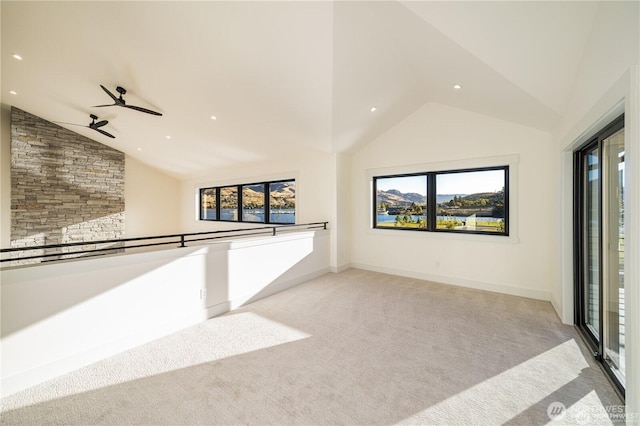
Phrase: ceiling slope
(284, 79)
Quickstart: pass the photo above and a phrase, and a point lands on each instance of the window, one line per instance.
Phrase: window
(229, 203)
(253, 203)
(264, 202)
(471, 201)
(208, 203)
(282, 202)
(401, 202)
(465, 201)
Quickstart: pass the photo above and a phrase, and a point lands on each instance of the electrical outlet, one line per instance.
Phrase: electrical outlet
(203, 293)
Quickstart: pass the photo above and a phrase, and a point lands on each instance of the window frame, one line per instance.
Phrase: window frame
(375, 202)
(240, 204)
(431, 201)
(580, 262)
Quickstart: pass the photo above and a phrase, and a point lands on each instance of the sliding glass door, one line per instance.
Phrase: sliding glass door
(599, 246)
(613, 256)
(591, 231)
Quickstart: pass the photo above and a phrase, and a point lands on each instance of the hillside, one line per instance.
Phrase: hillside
(395, 198)
(443, 198)
(481, 204)
(283, 196)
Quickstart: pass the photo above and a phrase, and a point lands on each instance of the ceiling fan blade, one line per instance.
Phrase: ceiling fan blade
(99, 124)
(137, 108)
(105, 133)
(110, 94)
(71, 124)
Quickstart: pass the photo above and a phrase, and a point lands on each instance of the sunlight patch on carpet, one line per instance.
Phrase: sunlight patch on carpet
(501, 398)
(213, 340)
(589, 410)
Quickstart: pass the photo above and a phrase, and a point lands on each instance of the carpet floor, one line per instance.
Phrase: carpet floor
(353, 348)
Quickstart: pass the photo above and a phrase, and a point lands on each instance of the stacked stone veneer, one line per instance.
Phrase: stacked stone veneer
(64, 187)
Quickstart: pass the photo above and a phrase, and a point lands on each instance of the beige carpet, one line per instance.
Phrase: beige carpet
(355, 348)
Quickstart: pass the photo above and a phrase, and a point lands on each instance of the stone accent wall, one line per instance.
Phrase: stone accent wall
(64, 187)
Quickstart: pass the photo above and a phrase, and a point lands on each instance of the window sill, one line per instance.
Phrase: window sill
(512, 238)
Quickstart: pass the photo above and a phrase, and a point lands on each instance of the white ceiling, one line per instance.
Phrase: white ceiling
(284, 78)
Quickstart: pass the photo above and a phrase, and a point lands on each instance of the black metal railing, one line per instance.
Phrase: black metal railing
(66, 251)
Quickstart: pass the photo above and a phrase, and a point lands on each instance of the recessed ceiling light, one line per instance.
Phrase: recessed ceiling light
(457, 86)
(168, 137)
(139, 149)
(13, 92)
(373, 109)
(18, 57)
(213, 117)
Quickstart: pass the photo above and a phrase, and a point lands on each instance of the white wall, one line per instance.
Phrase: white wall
(441, 137)
(151, 201)
(341, 239)
(607, 84)
(61, 316)
(612, 49)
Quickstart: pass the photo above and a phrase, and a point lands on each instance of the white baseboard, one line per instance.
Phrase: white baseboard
(461, 282)
(219, 309)
(340, 268)
(556, 307)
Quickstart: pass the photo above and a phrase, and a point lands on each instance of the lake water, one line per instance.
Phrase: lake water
(381, 218)
(279, 216)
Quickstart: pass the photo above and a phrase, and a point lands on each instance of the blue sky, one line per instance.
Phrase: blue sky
(451, 183)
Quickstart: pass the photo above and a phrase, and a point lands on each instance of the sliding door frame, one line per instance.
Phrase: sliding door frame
(595, 343)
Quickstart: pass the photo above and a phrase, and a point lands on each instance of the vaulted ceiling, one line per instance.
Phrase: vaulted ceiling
(284, 78)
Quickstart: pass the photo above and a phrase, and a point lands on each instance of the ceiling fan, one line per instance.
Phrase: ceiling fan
(93, 125)
(119, 101)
